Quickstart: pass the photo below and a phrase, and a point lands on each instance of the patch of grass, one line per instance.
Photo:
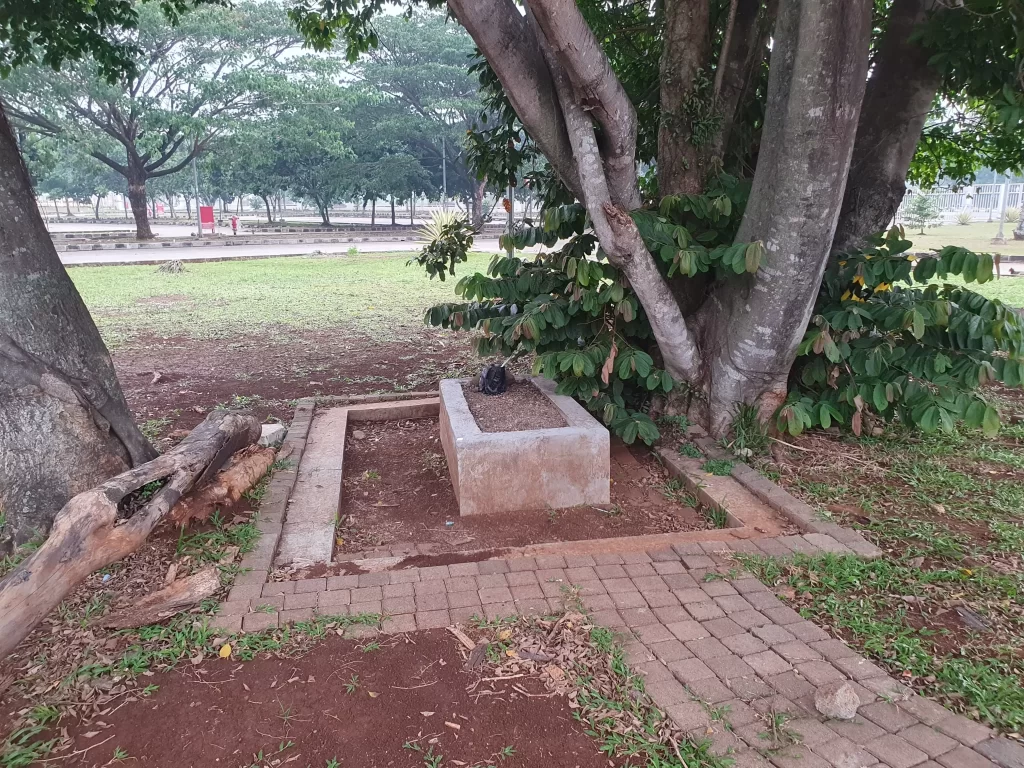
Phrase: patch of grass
(716, 516)
(210, 546)
(153, 427)
(377, 295)
(690, 451)
(352, 685)
(719, 467)
(897, 614)
(24, 747)
(749, 433)
(371, 474)
(430, 760)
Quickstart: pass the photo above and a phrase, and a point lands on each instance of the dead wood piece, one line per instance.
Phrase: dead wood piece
(246, 468)
(164, 603)
(90, 532)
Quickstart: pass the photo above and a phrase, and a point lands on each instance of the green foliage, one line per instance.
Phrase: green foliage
(448, 238)
(718, 467)
(888, 340)
(576, 313)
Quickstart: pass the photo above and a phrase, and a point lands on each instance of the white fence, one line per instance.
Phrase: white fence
(983, 201)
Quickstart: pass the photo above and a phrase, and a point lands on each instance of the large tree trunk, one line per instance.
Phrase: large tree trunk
(64, 422)
(373, 211)
(898, 99)
(266, 202)
(137, 199)
(754, 323)
(96, 208)
(392, 210)
(681, 162)
(91, 531)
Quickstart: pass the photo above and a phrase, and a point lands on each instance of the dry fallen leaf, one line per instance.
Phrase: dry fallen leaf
(453, 726)
(225, 650)
(427, 714)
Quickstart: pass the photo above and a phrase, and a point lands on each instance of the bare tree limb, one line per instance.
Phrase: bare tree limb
(91, 531)
(620, 238)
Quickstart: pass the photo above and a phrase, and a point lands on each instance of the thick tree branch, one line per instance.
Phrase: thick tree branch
(620, 239)
(741, 59)
(754, 324)
(687, 47)
(511, 48)
(898, 99)
(597, 89)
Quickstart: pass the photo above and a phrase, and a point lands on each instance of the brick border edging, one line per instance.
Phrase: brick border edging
(820, 533)
(270, 519)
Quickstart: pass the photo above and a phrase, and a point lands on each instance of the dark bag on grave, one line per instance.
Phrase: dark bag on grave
(493, 380)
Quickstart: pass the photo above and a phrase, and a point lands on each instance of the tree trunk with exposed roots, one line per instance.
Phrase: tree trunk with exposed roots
(64, 423)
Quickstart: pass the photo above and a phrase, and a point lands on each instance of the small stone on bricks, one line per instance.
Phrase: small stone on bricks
(837, 700)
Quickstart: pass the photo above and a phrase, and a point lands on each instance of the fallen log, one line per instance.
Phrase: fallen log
(98, 527)
(172, 599)
(246, 469)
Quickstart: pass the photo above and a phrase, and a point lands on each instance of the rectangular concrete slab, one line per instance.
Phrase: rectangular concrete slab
(312, 512)
(500, 472)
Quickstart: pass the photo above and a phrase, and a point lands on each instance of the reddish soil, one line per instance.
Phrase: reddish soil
(226, 713)
(397, 492)
(267, 372)
(520, 407)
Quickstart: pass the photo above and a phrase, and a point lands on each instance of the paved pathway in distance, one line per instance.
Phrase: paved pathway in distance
(217, 253)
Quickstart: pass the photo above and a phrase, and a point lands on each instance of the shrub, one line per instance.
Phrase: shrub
(1012, 215)
(575, 312)
(885, 339)
(964, 218)
(888, 340)
(447, 238)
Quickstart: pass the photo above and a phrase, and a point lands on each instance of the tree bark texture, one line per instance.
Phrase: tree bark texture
(64, 422)
(687, 48)
(137, 200)
(897, 101)
(92, 531)
(754, 323)
(740, 63)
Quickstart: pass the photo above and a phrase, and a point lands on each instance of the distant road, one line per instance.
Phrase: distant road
(150, 255)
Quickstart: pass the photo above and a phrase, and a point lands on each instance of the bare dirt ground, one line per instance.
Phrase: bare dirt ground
(397, 701)
(171, 383)
(397, 492)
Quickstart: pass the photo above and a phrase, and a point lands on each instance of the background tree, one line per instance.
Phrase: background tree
(190, 82)
(310, 144)
(922, 211)
(420, 89)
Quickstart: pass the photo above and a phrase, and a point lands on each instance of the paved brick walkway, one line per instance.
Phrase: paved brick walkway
(716, 651)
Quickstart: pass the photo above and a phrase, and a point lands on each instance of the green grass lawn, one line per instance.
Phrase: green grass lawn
(378, 296)
(948, 511)
(976, 237)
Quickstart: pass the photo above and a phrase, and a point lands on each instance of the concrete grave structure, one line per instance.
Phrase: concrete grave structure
(500, 472)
